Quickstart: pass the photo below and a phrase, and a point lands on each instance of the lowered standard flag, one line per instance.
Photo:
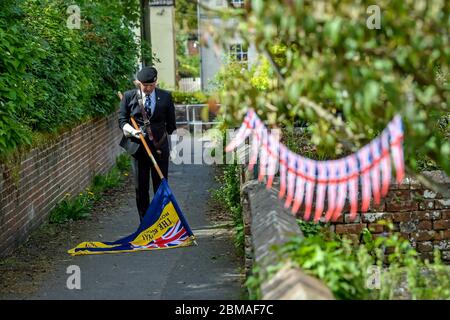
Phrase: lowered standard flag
(163, 227)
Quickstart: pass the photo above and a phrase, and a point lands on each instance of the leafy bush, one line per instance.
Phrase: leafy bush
(123, 163)
(309, 228)
(327, 63)
(72, 209)
(54, 77)
(186, 29)
(16, 55)
(343, 266)
(80, 207)
(228, 194)
(189, 66)
(181, 97)
(110, 180)
(253, 283)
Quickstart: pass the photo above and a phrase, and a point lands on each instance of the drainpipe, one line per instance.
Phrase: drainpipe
(145, 31)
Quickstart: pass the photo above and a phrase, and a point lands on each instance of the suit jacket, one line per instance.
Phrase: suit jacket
(162, 119)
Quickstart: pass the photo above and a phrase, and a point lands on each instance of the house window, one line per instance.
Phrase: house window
(237, 3)
(238, 52)
(156, 3)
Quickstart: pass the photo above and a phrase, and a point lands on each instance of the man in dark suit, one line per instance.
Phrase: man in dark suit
(158, 106)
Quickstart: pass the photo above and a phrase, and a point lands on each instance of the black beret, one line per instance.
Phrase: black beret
(147, 75)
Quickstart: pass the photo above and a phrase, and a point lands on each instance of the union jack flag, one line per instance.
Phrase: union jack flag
(173, 237)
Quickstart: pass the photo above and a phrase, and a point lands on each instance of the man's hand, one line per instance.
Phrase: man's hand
(129, 131)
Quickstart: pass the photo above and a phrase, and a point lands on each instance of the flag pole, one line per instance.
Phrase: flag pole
(141, 136)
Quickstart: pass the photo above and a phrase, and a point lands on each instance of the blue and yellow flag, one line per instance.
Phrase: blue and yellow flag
(163, 227)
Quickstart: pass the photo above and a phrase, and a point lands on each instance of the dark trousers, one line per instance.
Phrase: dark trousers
(142, 169)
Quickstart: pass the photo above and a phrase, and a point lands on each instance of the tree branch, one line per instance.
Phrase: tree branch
(340, 125)
(337, 122)
(269, 57)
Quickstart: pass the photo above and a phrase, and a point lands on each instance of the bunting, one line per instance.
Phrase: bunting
(325, 185)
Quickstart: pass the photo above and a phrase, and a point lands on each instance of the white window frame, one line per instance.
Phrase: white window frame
(236, 51)
(238, 3)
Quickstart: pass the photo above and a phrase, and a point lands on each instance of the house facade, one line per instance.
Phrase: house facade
(162, 30)
(212, 56)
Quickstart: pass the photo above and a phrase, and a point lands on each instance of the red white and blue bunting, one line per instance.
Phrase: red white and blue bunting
(309, 182)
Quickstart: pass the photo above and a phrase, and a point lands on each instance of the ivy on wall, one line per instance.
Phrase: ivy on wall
(53, 76)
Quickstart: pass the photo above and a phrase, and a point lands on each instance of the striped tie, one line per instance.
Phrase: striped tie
(148, 106)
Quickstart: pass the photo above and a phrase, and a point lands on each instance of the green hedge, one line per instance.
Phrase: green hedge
(197, 97)
(53, 77)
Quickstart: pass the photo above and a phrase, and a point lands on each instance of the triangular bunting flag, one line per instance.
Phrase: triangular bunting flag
(327, 183)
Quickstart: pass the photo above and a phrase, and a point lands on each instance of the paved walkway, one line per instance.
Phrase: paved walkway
(208, 271)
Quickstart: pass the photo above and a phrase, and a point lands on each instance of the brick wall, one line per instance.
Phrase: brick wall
(420, 215)
(267, 223)
(31, 189)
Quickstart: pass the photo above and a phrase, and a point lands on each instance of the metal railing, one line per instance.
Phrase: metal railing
(192, 115)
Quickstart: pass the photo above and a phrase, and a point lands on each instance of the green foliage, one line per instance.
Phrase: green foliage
(253, 284)
(261, 79)
(258, 276)
(343, 266)
(188, 65)
(228, 194)
(79, 207)
(231, 70)
(114, 177)
(181, 97)
(298, 140)
(72, 209)
(333, 262)
(54, 77)
(260, 76)
(15, 56)
(309, 228)
(110, 180)
(186, 28)
(186, 15)
(324, 53)
(123, 163)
